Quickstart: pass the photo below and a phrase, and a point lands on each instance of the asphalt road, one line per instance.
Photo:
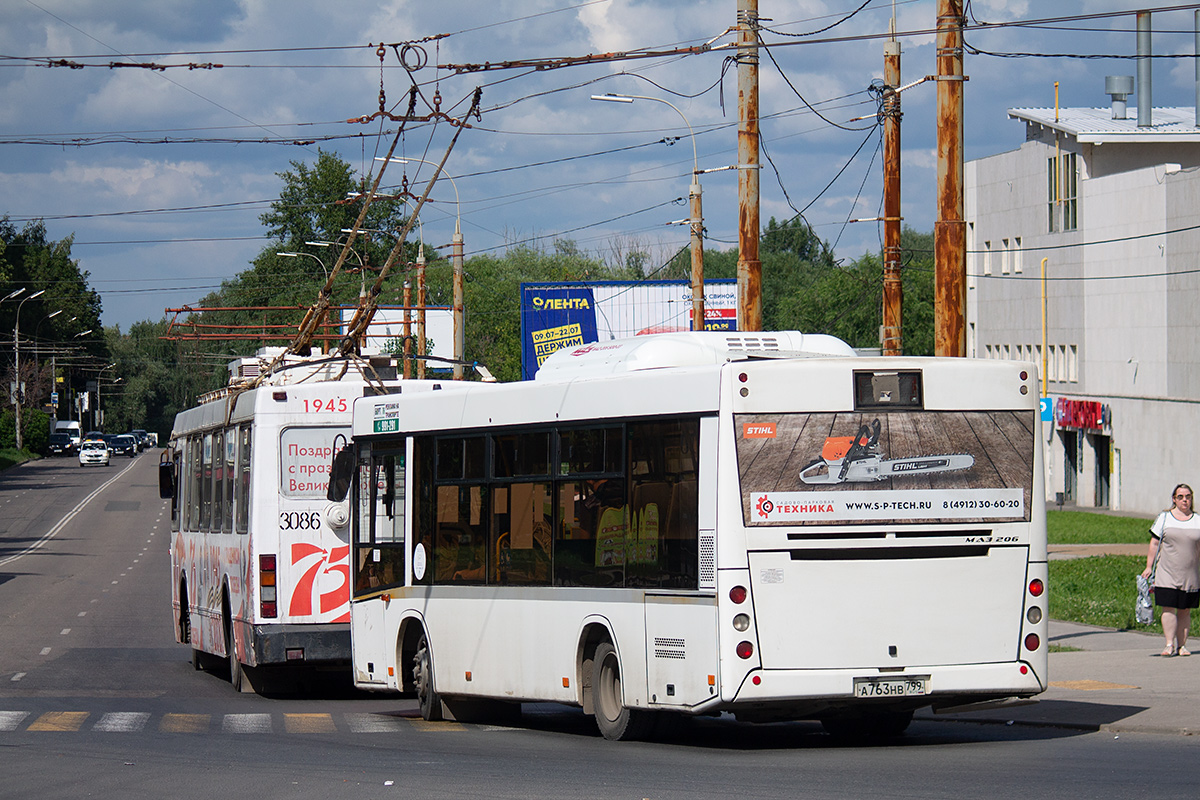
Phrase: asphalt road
(96, 700)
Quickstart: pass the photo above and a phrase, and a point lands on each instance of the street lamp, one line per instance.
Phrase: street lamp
(457, 262)
(697, 217)
(310, 255)
(19, 385)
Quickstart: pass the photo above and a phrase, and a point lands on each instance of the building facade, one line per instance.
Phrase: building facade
(1084, 257)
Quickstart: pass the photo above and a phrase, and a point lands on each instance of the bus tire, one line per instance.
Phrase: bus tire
(422, 673)
(616, 721)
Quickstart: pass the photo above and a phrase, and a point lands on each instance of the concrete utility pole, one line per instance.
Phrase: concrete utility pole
(421, 315)
(893, 290)
(407, 329)
(949, 232)
(749, 268)
(459, 309)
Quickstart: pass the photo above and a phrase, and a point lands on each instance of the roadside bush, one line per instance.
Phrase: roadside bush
(35, 430)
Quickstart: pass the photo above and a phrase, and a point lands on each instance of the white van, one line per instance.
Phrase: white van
(69, 427)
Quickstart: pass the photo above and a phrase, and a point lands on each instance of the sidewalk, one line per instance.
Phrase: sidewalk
(1116, 681)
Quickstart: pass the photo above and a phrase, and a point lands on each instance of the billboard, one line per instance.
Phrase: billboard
(894, 467)
(558, 315)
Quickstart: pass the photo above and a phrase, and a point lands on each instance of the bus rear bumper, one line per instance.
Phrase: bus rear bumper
(301, 644)
(845, 689)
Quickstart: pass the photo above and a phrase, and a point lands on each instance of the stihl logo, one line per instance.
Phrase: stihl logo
(908, 466)
(758, 430)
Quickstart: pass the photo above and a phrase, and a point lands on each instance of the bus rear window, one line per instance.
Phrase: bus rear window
(304, 458)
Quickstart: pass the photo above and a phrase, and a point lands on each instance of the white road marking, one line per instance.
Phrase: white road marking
(17, 677)
(122, 721)
(9, 720)
(247, 723)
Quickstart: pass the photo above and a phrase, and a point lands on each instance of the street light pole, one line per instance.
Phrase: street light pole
(457, 264)
(696, 222)
(19, 394)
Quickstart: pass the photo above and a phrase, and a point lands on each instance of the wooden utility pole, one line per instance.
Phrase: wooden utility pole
(893, 290)
(749, 268)
(950, 229)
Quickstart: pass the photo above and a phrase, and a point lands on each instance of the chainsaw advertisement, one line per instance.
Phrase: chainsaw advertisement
(901, 466)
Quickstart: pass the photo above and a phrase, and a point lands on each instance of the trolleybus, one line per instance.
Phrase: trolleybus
(695, 523)
(260, 568)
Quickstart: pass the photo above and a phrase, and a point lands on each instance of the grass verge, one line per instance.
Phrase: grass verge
(1100, 590)
(1082, 527)
(10, 456)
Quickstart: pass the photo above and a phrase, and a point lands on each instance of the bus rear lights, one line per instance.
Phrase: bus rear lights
(738, 595)
(745, 649)
(468, 676)
(294, 654)
(266, 585)
(1036, 587)
(1024, 375)
(1034, 615)
(741, 622)
(743, 377)
(756, 680)
(1024, 670)
(1032, 642)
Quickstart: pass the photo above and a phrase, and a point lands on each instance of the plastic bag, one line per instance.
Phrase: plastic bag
(1143, 608)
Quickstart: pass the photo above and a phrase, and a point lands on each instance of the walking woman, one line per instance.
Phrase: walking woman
(1177, 576)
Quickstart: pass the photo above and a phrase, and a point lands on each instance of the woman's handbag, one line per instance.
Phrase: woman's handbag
(1143, 607)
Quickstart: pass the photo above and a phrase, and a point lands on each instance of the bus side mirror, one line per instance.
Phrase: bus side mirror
(166, 480)
(340, 474)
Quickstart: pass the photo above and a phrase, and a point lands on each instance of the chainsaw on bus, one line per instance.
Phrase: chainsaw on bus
(856, 459)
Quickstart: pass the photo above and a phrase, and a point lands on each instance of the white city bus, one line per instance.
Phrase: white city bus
(703, 522)
(260, 569)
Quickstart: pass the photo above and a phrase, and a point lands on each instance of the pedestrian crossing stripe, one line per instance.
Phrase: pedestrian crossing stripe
(293, 723)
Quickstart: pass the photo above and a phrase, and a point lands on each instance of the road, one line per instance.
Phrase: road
(96, 700)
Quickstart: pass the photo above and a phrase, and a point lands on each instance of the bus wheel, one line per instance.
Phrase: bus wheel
(422, 672)
(615, 721)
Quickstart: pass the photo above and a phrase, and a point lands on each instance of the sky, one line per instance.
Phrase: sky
(161, 174)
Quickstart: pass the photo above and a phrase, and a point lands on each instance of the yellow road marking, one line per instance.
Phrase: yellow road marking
(309, 723)
(59, 721)
(184, 723)
(1091, 686)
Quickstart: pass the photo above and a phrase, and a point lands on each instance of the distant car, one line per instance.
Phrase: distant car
(143, 438)
(61, 444)
(94, 451)
(124, 445)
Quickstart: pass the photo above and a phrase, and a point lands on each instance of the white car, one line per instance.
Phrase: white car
(94, 451)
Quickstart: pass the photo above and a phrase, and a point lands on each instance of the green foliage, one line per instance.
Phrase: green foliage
(1081, 527)
(1100, 590)
(8, 429)
(35, 430)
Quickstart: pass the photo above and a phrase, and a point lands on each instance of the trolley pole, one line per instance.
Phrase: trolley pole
(949, 233)
(893, 290)
(749, 267)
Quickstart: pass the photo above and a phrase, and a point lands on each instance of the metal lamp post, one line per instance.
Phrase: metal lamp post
(19, 393)
(696, 222)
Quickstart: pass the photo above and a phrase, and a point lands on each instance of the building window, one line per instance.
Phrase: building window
(1005, 256)
(1061, 371)
(1016, 256)
(987, 258)
(1070, 191)
(1051, 194)
(1073, 364)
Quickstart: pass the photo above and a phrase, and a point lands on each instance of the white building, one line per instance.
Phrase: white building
(1114, 210)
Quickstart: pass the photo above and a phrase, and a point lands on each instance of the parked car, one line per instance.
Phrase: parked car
(124, 445)
(61, 444)
(94, 451)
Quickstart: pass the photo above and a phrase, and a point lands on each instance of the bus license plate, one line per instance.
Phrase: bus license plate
(891, 687)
